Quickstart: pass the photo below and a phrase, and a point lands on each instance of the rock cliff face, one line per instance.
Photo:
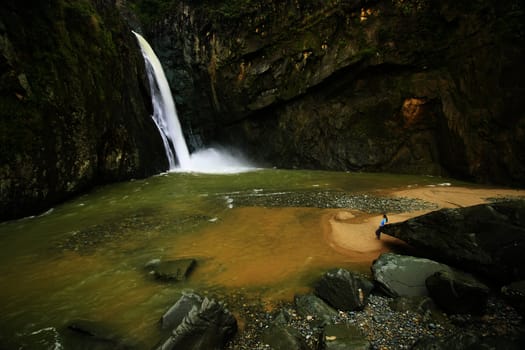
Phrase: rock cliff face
(74, 103)
(417, 86)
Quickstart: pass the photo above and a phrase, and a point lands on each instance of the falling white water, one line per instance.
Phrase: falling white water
(210, 160)
(164, 112)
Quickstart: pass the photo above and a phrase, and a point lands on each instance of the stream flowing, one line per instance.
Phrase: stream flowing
(255, 234)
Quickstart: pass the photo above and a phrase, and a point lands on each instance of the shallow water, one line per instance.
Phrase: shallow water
(85, 259)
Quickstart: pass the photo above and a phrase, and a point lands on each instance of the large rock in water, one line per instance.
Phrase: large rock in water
(74, 103)
(430, 87)
(172, 270)
(208, 326)
(486, 239)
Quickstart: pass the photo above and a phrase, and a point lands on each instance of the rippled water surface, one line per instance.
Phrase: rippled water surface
(256, 234)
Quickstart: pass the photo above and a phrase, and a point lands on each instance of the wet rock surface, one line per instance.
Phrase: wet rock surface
(344, 290)
(401, 275)
(208, 325)
(172, 270)
(486, 239)
(457, 292)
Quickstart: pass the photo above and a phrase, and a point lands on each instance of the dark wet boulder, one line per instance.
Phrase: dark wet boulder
(284, 337)
(175, 314)
(422, 305)
(172, 270)
(457, 293)
(469, 340)
(208, 326)
(311, 305)
(344, 290)
(514, 293)
(402, 275)
(344, 336)
(486, 239)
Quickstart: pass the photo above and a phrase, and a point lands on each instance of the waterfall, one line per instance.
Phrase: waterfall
(164, 111)
(209, 160)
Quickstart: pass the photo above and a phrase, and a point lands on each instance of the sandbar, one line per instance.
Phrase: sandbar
(352, 232)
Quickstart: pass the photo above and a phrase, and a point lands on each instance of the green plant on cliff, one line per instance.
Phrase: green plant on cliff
(228, 8)
(408, 7)
(150, 11)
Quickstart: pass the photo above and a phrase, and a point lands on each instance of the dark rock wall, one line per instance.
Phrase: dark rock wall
(416, 86)
(74, 103)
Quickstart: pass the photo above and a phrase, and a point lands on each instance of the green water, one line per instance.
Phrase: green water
(85, 259)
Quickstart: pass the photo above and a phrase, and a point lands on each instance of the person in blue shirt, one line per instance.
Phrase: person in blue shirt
(384, 221)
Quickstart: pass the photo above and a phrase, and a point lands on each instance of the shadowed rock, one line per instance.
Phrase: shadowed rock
(457, 293)
(310, 305)
(284, 337)
(486, 239)
(344, 290)
(344, 336)
(174, 316)
(515, 295)
(468, 340)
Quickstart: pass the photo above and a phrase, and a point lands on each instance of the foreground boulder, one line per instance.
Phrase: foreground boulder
(401, 275)
(311, 306)
(487, 239)
(515, 295)
(208, 326)
(344, 336)
(422, 305)
(344, 290)
(457, 293)
(469, 340)
(281, 335)
(175, 314)
(284, 337)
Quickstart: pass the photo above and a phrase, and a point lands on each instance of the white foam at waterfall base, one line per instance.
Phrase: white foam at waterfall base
(210, 160)
(217, 161)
